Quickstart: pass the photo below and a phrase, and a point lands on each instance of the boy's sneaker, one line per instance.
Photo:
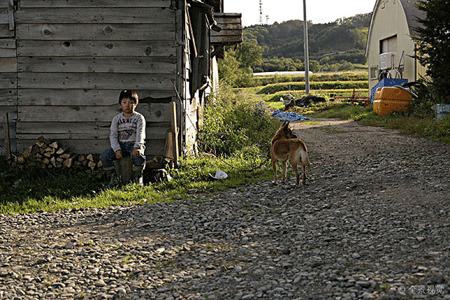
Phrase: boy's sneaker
(114, 179)
(112, 174)
(139, 179)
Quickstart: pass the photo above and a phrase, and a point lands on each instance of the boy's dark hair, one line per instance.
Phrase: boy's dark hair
(129, 94)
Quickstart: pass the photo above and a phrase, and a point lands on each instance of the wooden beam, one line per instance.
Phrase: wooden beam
(90, 81)
(7, 137)
(191, 30)
(82, 131)
(75, 48)
(96, 32)
(153, 113)
(3, 16)
(93, 15)
(155, 147)
(5, 32)
(8, 81)
(174, 134)
(168, 150)
(8, 65)
(90, 3)
(11, 20)
(80, 97)
(141, 65)
(8, 48)
(8, 98)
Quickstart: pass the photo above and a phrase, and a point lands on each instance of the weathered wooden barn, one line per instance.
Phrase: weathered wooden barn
(63, 64)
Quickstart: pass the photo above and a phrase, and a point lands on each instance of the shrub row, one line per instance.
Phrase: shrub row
(328, 85)
(335, 76)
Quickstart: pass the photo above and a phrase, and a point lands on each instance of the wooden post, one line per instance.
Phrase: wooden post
(124, 169)
(168, 150)
(7, 137)
(200, 117)
(175, 133)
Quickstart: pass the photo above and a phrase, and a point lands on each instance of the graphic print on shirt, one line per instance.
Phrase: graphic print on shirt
(127, 129)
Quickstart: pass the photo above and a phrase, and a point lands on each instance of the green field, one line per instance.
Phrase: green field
(271, 89)
(419, 121)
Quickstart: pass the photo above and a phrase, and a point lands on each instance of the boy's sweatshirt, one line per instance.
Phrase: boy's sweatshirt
(130, 129)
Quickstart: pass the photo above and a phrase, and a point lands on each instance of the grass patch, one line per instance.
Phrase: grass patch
(430, 128)
(52, 190)
(319, 93)
(331, 130)
(312, 123)
(23, 191)
(345, 111)
(427, 127)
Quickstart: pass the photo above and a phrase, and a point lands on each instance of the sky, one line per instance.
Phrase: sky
(317, 11)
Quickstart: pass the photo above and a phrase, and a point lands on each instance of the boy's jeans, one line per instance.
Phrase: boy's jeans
(108, 156)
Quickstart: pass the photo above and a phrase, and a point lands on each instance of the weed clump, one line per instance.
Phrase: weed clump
(235, 126)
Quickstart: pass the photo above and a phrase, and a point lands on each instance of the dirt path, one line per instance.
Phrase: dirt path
(372, 223)
(377, 160)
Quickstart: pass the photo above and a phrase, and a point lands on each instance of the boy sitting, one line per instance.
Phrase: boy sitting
(127, 137)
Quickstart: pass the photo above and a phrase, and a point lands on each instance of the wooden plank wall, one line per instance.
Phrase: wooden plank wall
(188, 139)
(231, 29)
(75, 56)
(8, 76)
(191, 124)
(6, 19)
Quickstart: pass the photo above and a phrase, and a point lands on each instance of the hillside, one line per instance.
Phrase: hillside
(334, 45)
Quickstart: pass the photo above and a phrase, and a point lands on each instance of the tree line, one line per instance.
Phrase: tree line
(333, 46)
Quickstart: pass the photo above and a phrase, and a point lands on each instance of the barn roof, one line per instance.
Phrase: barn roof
(412, 14)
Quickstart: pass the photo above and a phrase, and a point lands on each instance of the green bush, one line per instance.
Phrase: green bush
(422, 105)
(233, 73)
(235, 126)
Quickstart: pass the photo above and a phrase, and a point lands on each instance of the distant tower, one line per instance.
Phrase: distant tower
(267, 19)
(260, 12)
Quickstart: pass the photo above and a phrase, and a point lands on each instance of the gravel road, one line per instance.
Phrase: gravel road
(373, 222)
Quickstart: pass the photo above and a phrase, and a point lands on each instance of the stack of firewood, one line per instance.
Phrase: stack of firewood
(49, 154)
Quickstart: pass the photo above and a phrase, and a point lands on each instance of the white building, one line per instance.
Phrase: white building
(390, 49)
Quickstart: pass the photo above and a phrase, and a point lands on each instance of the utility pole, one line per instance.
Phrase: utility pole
(305, 32)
